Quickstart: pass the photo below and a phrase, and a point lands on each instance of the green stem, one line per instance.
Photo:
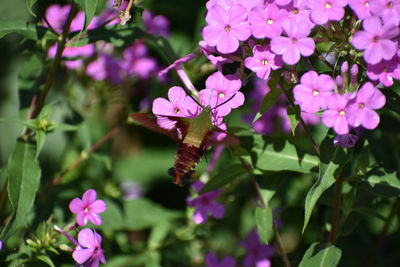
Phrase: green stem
(278, 240)
(306, 129)
(50, 78)
(336, 209)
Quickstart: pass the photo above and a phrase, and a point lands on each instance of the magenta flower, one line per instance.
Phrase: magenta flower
(298, 12)
(360, 110)
(266, 22)
(361, 8)
(385, 71)
(226, 27)
(156, 25)
(205, 204)
(375, 40)
(89, 251)
(345, 141)
(336, 113)
(57, 16)
(212, 261)
(295, 44)
(324, 10)
(88, 208)
(105, 67)
(209, 52)
(262, 61)
(313, 91)
(179, 104)
(257, 254)
(387, 10)
(137, 62)
(222, 93)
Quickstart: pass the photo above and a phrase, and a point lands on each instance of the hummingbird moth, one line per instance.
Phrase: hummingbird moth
(194, 136)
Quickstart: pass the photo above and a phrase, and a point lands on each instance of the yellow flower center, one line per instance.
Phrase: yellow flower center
(315, 92)
(270, 21)
(177, 110)
(342, 113)
(264, 61)
(221, 95)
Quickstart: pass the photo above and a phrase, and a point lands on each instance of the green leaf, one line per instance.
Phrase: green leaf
(30, 73)
(89, 6)
(272, 96)
(381, 177)
(294, 116)
(40, 141)
(264, 223)
(26, 29)
(29, 5)
(320, 255)
(46, 259)
(23, 183)
(142, 213)
(223, 177)
(118, 35)
(103, 158)
(275, 154)
(332, 161)
(157, 235)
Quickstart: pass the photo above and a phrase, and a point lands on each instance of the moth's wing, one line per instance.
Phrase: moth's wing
(213, 137)
(174, 127)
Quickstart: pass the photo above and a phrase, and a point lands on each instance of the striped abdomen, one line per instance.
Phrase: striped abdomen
(186, 159)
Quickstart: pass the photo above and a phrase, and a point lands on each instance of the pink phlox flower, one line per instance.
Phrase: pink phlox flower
(257, 254)
(217, 60)
(205, 204)
(137, 62)
(345, 141)
(361, 8)
(299, 12)
(385, 71)
(105, 67)
(88, 208)
(222, 93)
(179, 105)
(176, 63)
(295, 44)
(57, 16)
(324, 10)
(155, 24)
(361, 109)
(225, 28)
(313, 91)
(266, 22)
(283, 2)
(211, 260)
(262, 61)
(336, 113)
(89, 251)
(375, 40)
(226, 4)
(387, 10)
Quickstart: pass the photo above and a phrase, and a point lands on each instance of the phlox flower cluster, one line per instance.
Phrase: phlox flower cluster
(88, 251)
(257, 254)
(103, 62)
(265, 36)
(341, 111)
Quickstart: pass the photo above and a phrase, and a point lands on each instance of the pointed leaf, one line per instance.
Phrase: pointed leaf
(275, 154)
(332, 161)
(294, 117)
(29, 5)
(26, 29)
(118, 35)
(264, 224)
(223, 177)
(319, 255)
(23, 183)
(40, 141)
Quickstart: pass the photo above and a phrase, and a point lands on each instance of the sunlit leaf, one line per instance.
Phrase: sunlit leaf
(332, 161)
(294, 117)
(320, 255)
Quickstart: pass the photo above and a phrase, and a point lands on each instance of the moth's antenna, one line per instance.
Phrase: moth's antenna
(192, 97)
(224, 102)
